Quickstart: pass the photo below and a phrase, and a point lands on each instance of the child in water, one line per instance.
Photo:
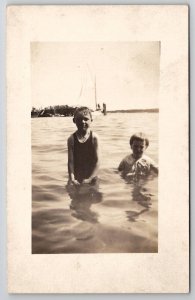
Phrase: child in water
(83, 158)
(137, 163)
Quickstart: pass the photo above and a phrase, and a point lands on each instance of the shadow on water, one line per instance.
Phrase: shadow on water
(82, 198)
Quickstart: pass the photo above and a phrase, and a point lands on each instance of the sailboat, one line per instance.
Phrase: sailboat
(97, 111)
(88, 93)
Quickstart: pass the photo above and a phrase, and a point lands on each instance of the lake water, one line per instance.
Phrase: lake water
(113, 216)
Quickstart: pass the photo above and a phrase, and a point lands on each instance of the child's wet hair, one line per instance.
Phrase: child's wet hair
(82, 109)
(140, 136)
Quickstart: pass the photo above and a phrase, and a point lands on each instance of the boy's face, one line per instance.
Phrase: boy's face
(138, 147)
(83, 120)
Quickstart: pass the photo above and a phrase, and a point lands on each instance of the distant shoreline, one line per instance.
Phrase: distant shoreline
(66, 111)
(149, 110)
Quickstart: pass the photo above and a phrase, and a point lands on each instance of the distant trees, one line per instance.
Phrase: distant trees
(53, 111)
(64, 110)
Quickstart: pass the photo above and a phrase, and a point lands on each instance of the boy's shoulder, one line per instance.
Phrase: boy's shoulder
(70, 139)
(94, 135)
(71, 135)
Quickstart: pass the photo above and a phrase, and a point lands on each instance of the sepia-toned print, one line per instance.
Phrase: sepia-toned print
(95, 147)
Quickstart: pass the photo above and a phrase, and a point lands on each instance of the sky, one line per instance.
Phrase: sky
(125, 75)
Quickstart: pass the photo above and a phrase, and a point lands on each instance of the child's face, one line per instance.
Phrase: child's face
(138, 147)
(83, 120)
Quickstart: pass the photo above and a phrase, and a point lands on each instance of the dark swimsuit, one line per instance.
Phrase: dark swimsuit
(85, 158)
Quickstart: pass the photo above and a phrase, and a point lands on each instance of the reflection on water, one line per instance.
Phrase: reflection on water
(83, 197)
(140, 193)
(111, 216)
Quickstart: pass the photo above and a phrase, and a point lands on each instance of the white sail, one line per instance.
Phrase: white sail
(88, 93)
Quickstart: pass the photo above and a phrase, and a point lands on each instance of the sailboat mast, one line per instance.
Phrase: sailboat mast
(95, 93)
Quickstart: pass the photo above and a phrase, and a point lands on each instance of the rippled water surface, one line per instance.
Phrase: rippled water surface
(112, 216)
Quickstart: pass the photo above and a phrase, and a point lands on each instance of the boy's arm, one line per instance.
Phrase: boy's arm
(71, 159)
(96, 167)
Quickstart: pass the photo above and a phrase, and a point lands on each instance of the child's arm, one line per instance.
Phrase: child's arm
(71, 160)
(96, 167)
(126, 167)
(121, 166)
(154, 167)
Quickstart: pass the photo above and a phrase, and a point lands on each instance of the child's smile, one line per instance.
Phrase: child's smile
(83, 122)
(138, 148)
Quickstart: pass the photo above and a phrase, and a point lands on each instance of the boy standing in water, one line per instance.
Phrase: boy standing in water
(83, 158)
(137, 163)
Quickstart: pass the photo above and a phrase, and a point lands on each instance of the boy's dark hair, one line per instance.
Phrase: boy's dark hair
(80, 109)
(140, 136)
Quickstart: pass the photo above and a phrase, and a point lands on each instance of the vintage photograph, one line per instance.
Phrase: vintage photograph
(94, 142)
(97, 148)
